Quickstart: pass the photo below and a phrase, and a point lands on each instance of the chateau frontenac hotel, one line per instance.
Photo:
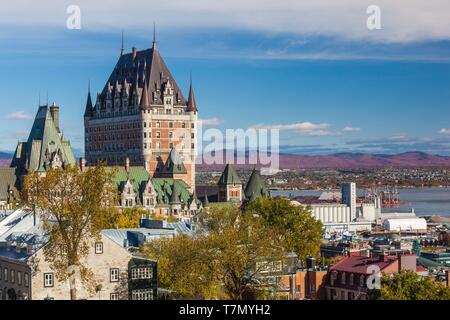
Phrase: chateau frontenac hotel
(142, 125)
(141, 114)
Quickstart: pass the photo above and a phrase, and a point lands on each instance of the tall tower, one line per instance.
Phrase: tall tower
(348, 190)
(141, 114)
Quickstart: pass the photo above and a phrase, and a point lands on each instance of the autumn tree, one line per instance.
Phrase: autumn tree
(183, 266)
(123, 218)
(408, 285)
(240, 251)
(298, 230)
(71, 205)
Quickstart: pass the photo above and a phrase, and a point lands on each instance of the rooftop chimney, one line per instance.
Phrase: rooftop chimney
(133, 51)
(82, 164)
(54, 112)
(127, 165)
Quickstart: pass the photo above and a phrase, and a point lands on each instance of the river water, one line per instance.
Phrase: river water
(425, 201)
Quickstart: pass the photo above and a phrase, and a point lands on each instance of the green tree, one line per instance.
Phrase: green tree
(299, 231)
(408, 285)
(71, 205)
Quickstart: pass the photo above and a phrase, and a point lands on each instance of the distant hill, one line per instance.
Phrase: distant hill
(5, 159)
(352, 161)
(338, 160)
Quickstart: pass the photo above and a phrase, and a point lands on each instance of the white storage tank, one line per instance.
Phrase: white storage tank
(405, 224)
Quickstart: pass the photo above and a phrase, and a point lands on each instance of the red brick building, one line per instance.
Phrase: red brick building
(348, 279)
(141, 114)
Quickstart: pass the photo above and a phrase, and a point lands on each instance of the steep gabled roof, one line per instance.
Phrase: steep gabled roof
(148, 69)
(255, 187)
(44, 142)
(174, 164)
(229, 176)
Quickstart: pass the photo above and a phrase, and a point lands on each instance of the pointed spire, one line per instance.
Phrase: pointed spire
(154, 36)
(191, 105)
(175, 197)
(88, 111)
(205, 201)
(144, 98)
(122, 48)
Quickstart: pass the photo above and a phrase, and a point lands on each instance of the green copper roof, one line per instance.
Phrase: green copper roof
(44, 143)
(164, 188)
(229, 176)
(168, 190)
(255, 187)
(174, 164)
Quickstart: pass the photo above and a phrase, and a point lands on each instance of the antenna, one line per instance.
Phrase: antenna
(122, 48)
(154, 34)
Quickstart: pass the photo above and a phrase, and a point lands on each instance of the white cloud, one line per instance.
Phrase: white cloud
(351, 129)
(401, 20)
(210, 122)
(305, 128)
(19, 115)
(445, 131)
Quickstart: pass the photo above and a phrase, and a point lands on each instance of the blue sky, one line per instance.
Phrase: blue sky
(327, 85)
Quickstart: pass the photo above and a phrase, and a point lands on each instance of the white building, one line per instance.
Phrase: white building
(406, 224)
(349, 197)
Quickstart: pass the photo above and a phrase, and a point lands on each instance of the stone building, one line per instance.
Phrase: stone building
(141, 114)
(118, 273)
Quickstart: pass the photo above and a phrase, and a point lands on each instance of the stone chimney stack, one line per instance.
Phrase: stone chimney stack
(82, 164)
(127, 165)
(54, 112)
(133, 51)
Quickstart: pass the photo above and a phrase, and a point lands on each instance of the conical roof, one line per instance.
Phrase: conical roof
(205, 201)
(255, 186)
(88, 110)
(144, 104)
(191, 105)
(229, 176)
